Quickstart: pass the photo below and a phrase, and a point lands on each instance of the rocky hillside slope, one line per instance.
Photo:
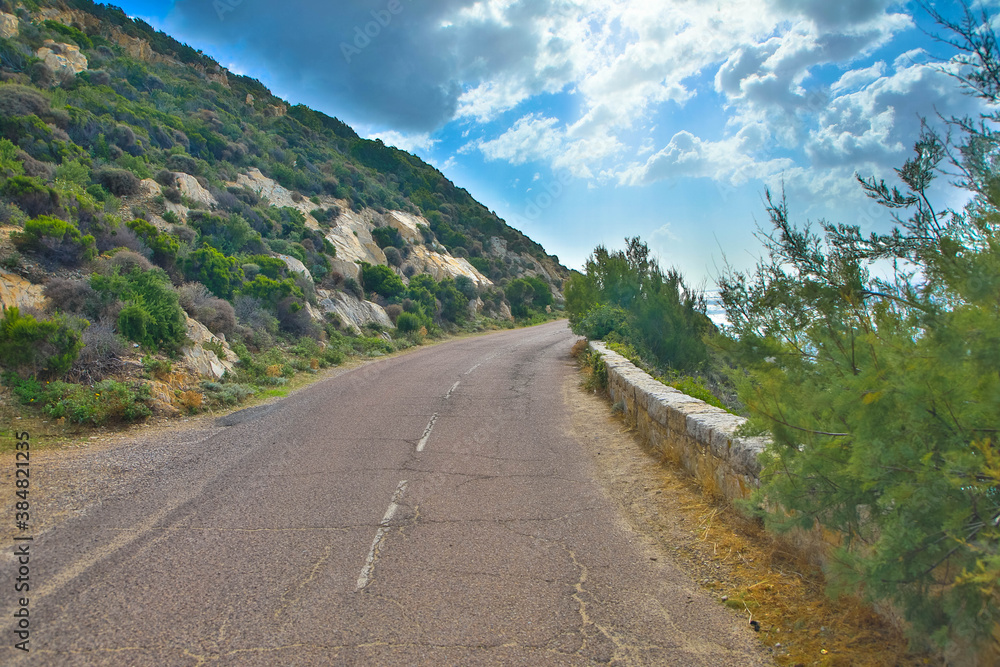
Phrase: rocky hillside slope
(153, 203)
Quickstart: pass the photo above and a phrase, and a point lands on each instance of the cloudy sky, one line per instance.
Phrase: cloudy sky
(585, 121)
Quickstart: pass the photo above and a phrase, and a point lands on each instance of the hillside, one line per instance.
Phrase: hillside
(156, 207)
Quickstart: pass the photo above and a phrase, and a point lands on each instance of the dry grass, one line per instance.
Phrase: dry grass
(733, 557)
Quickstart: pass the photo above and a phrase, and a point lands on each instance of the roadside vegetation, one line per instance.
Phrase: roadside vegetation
(879, 387)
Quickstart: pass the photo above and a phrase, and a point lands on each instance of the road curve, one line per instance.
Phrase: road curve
(429, 509)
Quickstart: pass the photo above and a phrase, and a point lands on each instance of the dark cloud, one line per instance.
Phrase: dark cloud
(396, 63)
(835, 14)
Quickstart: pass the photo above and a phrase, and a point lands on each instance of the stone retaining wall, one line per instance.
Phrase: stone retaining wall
(685, 430)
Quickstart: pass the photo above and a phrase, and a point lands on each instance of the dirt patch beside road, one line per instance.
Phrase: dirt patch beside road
(743, 566)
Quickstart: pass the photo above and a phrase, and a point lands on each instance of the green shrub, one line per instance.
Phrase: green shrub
(228, 393)
(56, 239)
(408, 322)
(106, 402)
(387, 237)
(134, 323)
(119, 182)
(152, 316)
(31, 195)
(382, 280)
(164, 246)
(695, 388)
(37, 347)
(208, 266)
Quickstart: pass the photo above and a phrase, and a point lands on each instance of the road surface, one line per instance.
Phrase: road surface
(429, 509)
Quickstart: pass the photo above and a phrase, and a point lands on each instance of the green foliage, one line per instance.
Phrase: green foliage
(625, 295)
(106, 402)
(31, 195)
(69, 33)
(164, 246)
(32, 347)
(220, 274)
(386, 237)
(152, 315)
(881, 393)
(55, 238)
(272, 267)
(74, 171)
(382, 280)
(603, 320)
(228, 393)
(454, 304)
(271, 291)
(228, 235)
(408, 322)
(10, 165)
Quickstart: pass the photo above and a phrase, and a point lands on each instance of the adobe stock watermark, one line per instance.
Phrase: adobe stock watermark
(363, 35)
(549, 194)
(223, 7)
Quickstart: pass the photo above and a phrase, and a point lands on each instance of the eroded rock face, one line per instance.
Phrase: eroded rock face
(353, 239)
(353, 312)
(61, 57)
(17, 292)
(295, 266)
(191, 188)
(441, 266)
(276, 194)
(10, 26)
(207, 362)
(407, 224)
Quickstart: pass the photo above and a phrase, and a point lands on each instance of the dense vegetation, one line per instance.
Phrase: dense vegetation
(125, 262)
(880, 387)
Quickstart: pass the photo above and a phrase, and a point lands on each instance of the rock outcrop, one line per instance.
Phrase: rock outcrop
(442, 266)
(192, 189)
(353, 239)
(276, 194)
(352, 311)
(17, 292)
(204, 361)
(62, 58)
(295, 266)
(10, 26)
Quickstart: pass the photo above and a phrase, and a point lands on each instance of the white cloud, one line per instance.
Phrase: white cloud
(533, 137)
(405, 142)
(687, 156)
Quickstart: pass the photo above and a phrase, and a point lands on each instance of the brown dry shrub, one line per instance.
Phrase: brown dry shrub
(191, 400)
(273, 371)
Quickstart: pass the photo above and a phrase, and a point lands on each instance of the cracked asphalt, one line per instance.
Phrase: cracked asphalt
(434, 508)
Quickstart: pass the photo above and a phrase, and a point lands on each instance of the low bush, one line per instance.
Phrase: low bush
(56, 239)
(31, 347)
(382, 280)
(408, 322)
(152, 315)
(105, 402)
(31, 195)
(229, 393)
(215, 313)
(119, 182)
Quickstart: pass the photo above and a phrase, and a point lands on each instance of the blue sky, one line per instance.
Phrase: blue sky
(582, 122)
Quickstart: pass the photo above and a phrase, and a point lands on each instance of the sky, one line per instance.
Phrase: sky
(583, 122)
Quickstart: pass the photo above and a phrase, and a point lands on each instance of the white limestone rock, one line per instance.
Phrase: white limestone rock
(207, 362)
(353, 312)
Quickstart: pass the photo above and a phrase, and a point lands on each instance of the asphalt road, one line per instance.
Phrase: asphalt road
(429, 509)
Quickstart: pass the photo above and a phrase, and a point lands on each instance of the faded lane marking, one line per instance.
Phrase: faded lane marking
(383, 528)
(427, 434)
(473, 368)
(453, 388)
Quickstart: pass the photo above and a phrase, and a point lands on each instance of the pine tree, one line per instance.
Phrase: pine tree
(883, 394)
